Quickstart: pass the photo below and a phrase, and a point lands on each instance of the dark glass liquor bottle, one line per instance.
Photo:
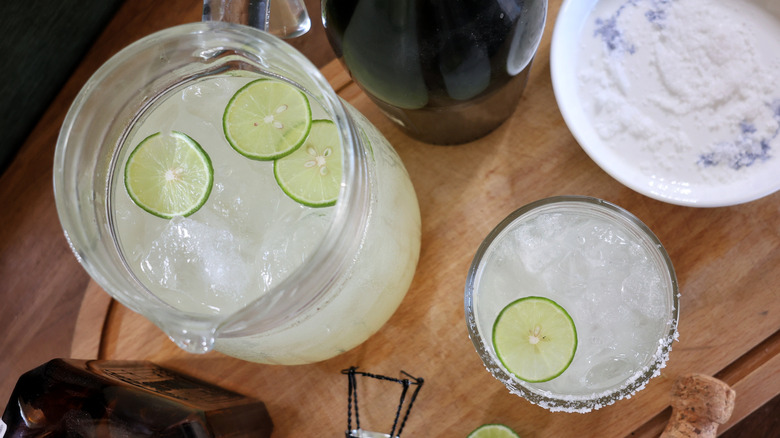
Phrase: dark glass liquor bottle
(446, 71)
(127, 399)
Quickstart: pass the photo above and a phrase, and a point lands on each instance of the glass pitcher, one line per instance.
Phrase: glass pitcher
(355, 270)
(446, 72)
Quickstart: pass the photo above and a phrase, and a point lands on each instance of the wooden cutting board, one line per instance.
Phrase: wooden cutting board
(726, 260)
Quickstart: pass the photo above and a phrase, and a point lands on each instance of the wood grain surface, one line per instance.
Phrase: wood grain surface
(726, 261)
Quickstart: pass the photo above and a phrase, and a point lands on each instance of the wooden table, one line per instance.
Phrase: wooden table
(726, 260)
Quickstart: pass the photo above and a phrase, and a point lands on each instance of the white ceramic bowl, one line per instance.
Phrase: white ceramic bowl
(566, 51)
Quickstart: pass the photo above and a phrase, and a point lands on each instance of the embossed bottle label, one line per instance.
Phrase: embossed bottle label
(162, 381)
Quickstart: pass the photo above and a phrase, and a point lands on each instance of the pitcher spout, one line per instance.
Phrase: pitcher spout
(193, 338)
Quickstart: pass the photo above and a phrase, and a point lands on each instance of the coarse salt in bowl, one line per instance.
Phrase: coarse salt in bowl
(677, 100)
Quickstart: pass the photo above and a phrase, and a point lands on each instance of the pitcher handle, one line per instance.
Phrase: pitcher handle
(281, 18)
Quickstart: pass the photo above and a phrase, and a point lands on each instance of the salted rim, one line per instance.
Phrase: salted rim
(547, 399)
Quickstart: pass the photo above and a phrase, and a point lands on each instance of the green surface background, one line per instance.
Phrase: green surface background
(42, 43)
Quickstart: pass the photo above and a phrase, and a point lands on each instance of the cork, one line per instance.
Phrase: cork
(700, 404)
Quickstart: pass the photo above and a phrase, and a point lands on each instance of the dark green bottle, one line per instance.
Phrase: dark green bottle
(127, 399)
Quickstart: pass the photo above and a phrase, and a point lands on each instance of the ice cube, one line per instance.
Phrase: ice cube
(198, 266)
(643, 291)
(608, 369)
(288, 244)
(534, 248)
(604, 245)
(246, 195)
(567, 276)
(211, 91)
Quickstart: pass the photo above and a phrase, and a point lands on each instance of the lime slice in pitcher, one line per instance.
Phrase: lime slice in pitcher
(493, 431)
(311, 175)
(169, 175)
(267, 119)
(535, 339)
